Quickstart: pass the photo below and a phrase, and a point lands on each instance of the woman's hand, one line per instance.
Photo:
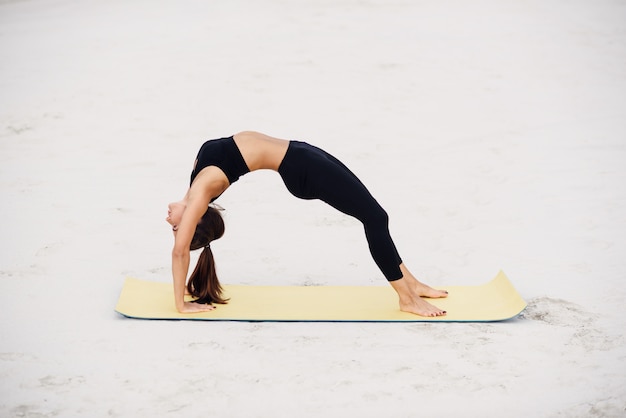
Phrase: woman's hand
(190, 307)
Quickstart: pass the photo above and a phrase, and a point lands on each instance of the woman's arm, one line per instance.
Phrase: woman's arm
(180, 255)
(180, 267)
(197, 202)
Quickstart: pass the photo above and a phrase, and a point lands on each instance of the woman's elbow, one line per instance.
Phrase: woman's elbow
(179, 253)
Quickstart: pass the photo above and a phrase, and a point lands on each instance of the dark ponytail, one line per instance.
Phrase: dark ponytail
(203, 282)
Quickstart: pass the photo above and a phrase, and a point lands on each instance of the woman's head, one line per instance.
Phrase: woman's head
(175, 212)
(210, 228)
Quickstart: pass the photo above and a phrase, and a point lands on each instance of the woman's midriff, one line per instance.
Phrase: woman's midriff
(261, 151)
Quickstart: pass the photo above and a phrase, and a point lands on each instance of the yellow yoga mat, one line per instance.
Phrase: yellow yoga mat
(493, 301)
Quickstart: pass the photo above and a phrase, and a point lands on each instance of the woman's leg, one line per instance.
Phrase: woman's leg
(345, 192)
(332, 182)
(311, 173)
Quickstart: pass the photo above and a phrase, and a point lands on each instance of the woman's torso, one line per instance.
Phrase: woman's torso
(261, 151)
(239, 154)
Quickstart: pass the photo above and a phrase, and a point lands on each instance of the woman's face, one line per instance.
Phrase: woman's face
(175, 214)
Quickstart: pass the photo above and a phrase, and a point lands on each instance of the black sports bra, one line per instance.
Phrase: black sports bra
(224, 154)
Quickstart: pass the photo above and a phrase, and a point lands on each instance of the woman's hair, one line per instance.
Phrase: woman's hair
(203, 282)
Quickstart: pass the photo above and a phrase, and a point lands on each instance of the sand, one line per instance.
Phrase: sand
(493, 132)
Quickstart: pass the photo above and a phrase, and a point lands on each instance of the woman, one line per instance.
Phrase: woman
(309, 173)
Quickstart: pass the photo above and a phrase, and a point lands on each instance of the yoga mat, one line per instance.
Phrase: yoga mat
(496, 300)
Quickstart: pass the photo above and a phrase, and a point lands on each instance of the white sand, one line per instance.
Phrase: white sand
(493, 132)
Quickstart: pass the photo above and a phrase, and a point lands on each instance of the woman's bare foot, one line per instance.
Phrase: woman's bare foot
(420, 307)
(411, 291)
(426, 291)
(420, 288)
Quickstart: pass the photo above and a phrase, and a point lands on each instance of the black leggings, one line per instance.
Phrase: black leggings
(312, 173)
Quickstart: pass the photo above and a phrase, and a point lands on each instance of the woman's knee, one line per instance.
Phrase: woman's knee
(377, 216)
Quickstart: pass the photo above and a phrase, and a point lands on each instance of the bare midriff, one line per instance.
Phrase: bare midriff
(261, 151)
